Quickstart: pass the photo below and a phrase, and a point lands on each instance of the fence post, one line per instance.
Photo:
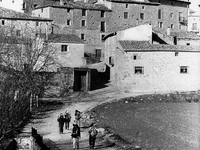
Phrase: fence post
(37, 103)
(31, 101)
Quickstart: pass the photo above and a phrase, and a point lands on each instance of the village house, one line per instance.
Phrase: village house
(88, 21)
(194, 21)
(92, 20)
(138, 65)
(186, 38)
(161, 14)
(19, 23)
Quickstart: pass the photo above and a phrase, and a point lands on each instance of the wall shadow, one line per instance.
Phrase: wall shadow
(99, 79)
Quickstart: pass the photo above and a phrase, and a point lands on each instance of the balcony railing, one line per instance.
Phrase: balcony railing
(91, 58)
(183, 21)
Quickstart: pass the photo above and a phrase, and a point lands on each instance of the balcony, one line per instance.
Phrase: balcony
(91, 58)
(183, 21)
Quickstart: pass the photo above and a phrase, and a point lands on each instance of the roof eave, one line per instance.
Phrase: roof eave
(33, 19)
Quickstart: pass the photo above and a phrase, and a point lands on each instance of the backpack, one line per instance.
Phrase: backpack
(75, 132)
(93, 132)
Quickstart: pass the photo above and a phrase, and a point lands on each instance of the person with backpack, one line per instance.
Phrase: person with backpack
(76, 134)
(67, 120)
(61, 121)
(77, 117)
(92, 135)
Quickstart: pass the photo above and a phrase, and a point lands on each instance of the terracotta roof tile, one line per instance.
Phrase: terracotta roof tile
(147, 2)
(64, 38)
(147, 46)
(76, 5)
(185, 35)
(14, 15)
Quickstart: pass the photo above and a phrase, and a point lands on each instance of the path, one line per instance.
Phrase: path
(48, 127)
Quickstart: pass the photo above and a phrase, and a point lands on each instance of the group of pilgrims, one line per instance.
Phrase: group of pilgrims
(64, 121)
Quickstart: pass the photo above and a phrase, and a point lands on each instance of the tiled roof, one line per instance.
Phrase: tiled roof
(185, 35)
(186, 1)
(147, 2)
(64, 38)
(147, 46)
(14, 15)
(76, 5)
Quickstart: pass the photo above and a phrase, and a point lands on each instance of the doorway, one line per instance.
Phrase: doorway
(80, 80)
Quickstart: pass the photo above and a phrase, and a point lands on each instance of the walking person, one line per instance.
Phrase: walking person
(77, 117)
(92, 135)
(67, 120)
(76, 134)
(61, 121)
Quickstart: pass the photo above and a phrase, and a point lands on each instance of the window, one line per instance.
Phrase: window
(98, 53)
(180, 16)
(18, 33)
(160, 24)
(176, 53)
(172, 26)
(37, 23)
(143, 7)
(135, 57)
(126, 5)
(42, 10)
(159, 14)
(102, 14)
(171, 15)
(187, 43)
(139, 70)
(142, 16)
(83, 23)
(184, 69)
(82, 36)
(13, 1)
(64, 48)
(111, 61)
(103, 26)
(68, 22)
(83, 12)
(125, 15)
(3, 22)
(68, 10)
(194, 26)
(23, 6)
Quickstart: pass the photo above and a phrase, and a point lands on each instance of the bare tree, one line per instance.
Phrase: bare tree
(23, 55)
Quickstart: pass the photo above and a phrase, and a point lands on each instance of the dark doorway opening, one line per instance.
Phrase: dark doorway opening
(99, 79)
(80, 80)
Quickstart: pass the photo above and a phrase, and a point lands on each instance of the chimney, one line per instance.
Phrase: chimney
(168, 31)
(61, 3)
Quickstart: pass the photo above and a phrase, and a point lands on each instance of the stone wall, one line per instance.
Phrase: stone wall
(161, 71)
(118, 22)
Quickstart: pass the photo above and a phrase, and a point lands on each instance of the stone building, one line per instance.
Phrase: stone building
(194, 22)
(88, 21)
(138, 65)
(19, 23)
(161, 14)
(186, 38)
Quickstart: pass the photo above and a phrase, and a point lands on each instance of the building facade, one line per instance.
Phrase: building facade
(138, 65)
(194, 22)
(19, 23)
(161, 14)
